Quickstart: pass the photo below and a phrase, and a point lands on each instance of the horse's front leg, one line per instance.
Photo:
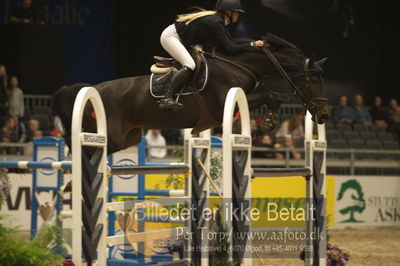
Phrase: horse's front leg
(269, 98)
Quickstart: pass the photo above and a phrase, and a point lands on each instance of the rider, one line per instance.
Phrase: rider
(206, 28)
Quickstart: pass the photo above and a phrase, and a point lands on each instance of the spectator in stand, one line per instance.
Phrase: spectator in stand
(288, 144)
(265, 142)
(173, 136)
(361, 114)
(379, 114)
(33, 127)
(58, 130)
(25, 13)
(3, 91)
(8, 130)
(343, 113)
(393, 105)
(38, 134)
(293, 126)
(8, 134)
(15, 98)
(20, 132)
(156, 143)
(20, 129)
(254, 131)
(394, 122)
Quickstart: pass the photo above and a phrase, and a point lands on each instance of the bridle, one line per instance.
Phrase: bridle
(310, 104)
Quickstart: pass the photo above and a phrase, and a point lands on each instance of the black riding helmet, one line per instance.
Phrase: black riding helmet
(223, 5)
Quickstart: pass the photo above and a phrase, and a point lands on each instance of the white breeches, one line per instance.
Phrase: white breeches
(171, 42)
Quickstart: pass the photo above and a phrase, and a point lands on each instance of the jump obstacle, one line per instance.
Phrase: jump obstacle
(237, 176)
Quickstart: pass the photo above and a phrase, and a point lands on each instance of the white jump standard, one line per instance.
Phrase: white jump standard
(89, 180)
(236, 150)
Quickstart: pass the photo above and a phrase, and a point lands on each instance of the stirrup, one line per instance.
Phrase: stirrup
(167, 103)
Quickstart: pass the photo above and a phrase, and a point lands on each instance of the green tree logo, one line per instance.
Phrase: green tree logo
(351, 191)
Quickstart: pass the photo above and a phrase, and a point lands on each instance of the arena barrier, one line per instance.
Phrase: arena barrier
(237, 176)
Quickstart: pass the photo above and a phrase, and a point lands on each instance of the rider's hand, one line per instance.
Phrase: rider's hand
(258, 43)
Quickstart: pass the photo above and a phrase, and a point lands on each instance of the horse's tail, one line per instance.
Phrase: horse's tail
(63, 102)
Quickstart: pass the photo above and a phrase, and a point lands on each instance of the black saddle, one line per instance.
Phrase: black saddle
(163, 71)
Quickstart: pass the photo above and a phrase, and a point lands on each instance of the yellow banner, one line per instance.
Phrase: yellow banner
(280, 200)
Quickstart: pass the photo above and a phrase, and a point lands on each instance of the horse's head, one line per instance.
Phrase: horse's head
(282, 59)
(309, 84)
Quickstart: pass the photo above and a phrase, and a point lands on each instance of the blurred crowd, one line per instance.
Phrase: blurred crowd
(17, 126)
(286, 138)
(385, 116)
(290, 134)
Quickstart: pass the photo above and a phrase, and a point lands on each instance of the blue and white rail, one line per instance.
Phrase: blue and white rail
(114, 170)
(36, 165)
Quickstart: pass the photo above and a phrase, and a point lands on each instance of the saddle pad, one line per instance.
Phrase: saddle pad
(160, 82)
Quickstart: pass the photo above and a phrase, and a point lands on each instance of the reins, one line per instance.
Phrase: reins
(285, 75)
(251, 73)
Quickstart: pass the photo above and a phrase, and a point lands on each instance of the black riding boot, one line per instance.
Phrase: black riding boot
(178, 81)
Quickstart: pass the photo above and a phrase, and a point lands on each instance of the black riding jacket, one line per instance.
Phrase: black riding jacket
(209, 31)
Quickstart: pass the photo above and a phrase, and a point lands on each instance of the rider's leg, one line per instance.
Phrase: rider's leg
(171, 42)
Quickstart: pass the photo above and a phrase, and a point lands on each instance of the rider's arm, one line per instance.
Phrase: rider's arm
(225, 43)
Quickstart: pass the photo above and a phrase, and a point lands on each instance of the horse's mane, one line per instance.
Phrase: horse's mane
(280, 45)
(276, 44)
(287, 53)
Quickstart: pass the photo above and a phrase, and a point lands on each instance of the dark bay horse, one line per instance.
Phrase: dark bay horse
(130, 108)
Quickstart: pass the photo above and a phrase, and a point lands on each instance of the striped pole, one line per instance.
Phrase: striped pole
(36, 165)
(114, 170)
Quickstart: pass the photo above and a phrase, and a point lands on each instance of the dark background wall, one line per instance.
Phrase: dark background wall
(109, 39)
(75, 44)
(138, 26)
(37, 60)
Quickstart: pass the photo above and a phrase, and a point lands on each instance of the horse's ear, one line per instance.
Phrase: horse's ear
(278, 42)
(321, 61)
(316, 65)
